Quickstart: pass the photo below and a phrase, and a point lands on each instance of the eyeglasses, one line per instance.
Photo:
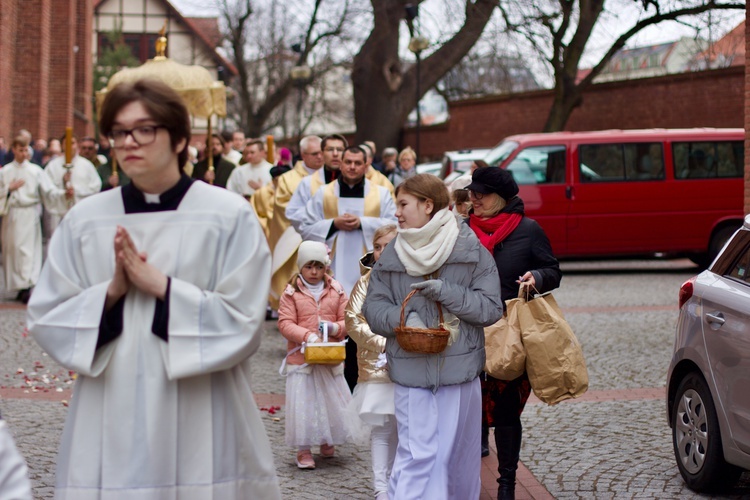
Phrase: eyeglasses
(333, 150)
(317, 153)
(143, 135)
(476, 194)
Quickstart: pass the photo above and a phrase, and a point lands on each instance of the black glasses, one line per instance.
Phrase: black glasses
(143, 135)
(476, 194)
(332, 150)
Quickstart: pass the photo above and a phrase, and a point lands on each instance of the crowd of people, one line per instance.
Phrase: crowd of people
(156, 291)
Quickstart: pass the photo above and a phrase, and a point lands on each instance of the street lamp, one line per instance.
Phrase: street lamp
(417, 44)
(301, 75)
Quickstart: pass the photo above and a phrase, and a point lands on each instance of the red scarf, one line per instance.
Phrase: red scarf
(494, 230)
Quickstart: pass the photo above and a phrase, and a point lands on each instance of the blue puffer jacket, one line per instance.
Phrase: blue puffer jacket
(470, 291)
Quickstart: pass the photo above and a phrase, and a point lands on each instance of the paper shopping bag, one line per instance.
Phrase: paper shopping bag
(554, 358)
(506, 355)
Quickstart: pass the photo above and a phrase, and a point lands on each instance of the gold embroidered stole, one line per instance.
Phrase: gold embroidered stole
(331, 201)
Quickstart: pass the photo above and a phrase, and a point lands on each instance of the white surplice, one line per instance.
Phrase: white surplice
(349, 245)
(240, 176)
(83, 177)
(152, 419)
(22, 228)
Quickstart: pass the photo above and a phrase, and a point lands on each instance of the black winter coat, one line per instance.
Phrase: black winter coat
(527, 248)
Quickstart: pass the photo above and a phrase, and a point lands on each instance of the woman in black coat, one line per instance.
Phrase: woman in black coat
(523, 254)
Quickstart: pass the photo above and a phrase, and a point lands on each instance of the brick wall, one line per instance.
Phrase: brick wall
(7, 66)
(701, 99)
(747, 112)
(83, 86)
(46, 66)
(29, 78)
(62, 67)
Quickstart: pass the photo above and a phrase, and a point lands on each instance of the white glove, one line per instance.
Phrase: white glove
(312, 338)
(333, 328)
(413, 320)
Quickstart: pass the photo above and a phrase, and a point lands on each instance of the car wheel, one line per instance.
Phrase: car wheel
(697, 439)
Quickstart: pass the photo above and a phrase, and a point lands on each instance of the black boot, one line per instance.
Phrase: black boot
(485, 440)
(508, 442)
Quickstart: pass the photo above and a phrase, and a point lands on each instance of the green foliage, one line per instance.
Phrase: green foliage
(112, 57)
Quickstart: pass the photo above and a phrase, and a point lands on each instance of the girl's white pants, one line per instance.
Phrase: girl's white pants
(439, 443)
(383, 442)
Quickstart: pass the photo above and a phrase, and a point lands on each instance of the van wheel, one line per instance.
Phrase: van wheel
(697, 439)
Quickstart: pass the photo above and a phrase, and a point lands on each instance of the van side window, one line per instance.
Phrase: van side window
(644, 161)
(707, 160)
(621, 162)
(601, 162)
(539, 165)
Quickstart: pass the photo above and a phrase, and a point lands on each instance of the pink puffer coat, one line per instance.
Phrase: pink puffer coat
(299, 315)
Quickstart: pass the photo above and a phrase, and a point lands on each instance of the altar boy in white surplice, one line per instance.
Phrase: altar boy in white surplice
(345, 214)
(23, 188)
(155, 294)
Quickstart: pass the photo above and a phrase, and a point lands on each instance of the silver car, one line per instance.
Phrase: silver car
(708, 384)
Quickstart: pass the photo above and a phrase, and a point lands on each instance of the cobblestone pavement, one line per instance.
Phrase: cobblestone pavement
(614, 443)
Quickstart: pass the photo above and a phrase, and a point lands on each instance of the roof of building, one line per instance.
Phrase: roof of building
(729, 47)
(205, 29)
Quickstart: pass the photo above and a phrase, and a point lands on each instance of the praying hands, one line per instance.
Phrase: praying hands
(132, 268)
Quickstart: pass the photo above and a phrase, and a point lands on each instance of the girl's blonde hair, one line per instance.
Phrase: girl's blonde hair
(382, 231)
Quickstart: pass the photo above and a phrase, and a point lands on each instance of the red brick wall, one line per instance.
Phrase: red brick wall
(46, 66)
(62, 67)
(704, 99)
(84, 77)
(7, 66)
(29, 78)
(747, 112)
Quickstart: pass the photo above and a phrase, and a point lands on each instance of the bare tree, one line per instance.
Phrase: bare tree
(560, 29)
(385, 92)
(260, 37)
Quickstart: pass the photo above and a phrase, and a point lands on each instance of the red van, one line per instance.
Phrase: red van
(619, 193)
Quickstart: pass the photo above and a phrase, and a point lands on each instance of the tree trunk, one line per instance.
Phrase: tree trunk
(384, 95)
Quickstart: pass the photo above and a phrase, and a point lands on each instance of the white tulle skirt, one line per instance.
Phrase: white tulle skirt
(316, 400)
(373, 402)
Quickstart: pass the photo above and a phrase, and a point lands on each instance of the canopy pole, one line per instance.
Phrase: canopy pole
(209, 147)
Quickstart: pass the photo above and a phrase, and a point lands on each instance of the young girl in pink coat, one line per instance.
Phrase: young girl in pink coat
(316, 395)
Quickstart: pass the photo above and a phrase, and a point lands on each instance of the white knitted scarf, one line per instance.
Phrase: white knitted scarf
(423, 250)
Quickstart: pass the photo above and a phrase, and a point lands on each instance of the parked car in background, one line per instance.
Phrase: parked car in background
(429, 168)
(456, 163)
(628, 193)
(708, 382)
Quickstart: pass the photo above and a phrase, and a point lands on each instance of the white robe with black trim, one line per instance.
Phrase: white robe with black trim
(152, 419)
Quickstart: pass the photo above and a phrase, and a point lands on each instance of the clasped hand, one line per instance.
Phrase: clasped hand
(346, 222)
(133, 269)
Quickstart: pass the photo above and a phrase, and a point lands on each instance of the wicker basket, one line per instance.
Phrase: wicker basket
(421, 340)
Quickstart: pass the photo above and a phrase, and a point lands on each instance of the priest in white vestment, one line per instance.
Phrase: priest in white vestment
(246, 179)
(155, 294)
(345, 214)
(333, 147)
(23, 188)
(81, 176)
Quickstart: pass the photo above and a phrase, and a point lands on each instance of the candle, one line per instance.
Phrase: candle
(68, 144)
(270, 153)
